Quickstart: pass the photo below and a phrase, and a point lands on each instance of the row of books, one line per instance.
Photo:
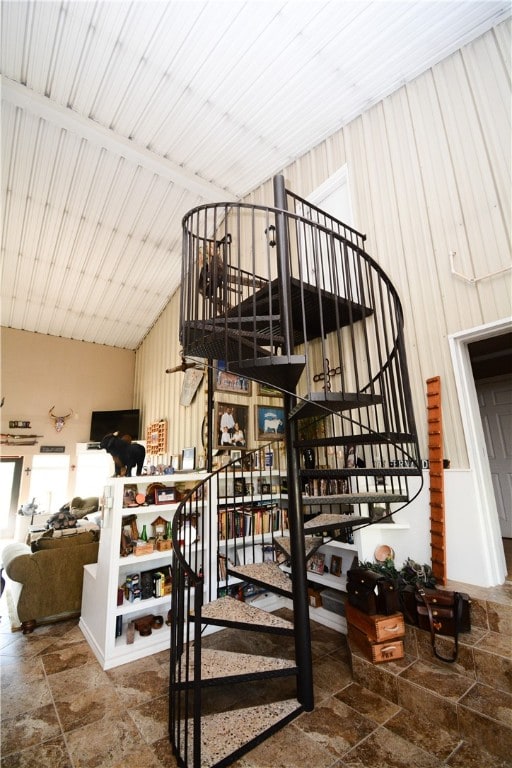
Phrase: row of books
(248, 520)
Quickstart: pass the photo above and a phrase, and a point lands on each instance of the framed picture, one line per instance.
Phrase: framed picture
(265, 390)
(236, 456)
(269, 423)
(165, 495)
(231, 422)
(188, 459)
(225, 381)
(268, 553)
(336, 561)
(317, 563)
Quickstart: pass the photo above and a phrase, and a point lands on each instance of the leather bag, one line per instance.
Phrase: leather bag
(442, 612)
(371, 592)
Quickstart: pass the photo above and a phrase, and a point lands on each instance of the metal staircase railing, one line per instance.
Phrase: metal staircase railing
(288, 297)
(204, 535)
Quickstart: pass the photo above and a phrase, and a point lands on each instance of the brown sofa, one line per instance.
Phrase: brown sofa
(46, 585)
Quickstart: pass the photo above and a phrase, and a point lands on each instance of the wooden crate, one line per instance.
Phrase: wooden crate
(375, 652)
(378, 628)
(143, 548)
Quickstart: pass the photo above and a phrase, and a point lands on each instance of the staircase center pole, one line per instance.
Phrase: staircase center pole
(295, 514)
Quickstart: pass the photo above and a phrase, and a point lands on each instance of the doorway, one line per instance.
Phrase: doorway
(491, 363)
(325, 261)
(479, 354)
(10, 481)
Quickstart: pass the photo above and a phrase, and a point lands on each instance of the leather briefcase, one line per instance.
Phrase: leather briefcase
(442, 612)
(371, 592)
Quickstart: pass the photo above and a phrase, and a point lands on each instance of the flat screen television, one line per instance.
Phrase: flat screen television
(125, 422)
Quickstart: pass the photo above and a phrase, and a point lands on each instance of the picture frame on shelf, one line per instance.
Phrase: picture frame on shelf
(225, 381)
(231, 424)
(269, 422)
(165, 495)
(188, 459)
(336, 563)
(317, 563)
(236, 457)
(175, 461)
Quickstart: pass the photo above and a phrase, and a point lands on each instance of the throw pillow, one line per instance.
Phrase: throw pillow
(62, 520)
(80, 507)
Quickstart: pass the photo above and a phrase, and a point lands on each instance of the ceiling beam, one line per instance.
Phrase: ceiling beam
(63, 117)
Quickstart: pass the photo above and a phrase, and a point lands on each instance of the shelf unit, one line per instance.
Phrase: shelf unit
(365, 542)
(100, 611)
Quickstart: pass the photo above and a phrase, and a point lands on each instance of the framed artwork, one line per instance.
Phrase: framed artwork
(317, 562)
(236, 456)
(231, 423)
(225, 381)
(188, 459)
(269, 423)
(265, 390)
(165, 495)
(336, 562)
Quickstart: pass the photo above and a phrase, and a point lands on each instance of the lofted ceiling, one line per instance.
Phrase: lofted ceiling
(118, 117)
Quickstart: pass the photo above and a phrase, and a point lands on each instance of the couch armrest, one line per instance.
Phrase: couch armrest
(16, 561)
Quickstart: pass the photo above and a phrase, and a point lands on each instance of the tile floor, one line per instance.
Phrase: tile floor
(60, 710)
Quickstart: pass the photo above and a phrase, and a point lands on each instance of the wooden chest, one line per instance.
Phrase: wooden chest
(375, 652)
(378, 628)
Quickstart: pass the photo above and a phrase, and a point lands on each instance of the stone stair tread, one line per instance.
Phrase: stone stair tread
(358, 497)
(311, 543)
(226, 733)
(359, 472)
(226, 611)
(267, 574)
(328, 522)
(217, 664)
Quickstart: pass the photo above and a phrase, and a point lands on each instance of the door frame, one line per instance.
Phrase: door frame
(490, 533)
(15, 494)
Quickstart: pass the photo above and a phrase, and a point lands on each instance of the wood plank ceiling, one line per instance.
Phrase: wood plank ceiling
(118, 117)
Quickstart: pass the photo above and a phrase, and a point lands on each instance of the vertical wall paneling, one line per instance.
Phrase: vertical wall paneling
(429, 171)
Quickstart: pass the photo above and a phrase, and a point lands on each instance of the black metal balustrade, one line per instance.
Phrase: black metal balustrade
(288, 297)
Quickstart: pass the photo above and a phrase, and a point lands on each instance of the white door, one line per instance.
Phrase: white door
(325, 262)
(495, 400)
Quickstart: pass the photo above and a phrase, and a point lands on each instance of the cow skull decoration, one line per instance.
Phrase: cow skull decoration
(59, 420)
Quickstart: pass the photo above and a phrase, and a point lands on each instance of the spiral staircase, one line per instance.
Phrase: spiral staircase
(288, 297)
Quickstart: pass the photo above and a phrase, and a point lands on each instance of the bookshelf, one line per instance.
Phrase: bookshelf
(109, 607)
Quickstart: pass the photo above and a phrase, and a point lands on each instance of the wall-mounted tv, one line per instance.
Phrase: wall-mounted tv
(124, 422)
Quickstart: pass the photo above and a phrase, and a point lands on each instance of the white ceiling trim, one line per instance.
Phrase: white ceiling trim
(85, 128)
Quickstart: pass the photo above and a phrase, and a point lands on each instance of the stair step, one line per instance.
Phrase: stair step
(305, 299)
(311, 542)
(280, 371)
(375, 438)
(229, 667)
(225, 736)
(332, 474)
(207, 338)
(228, 612)
(363, 497)
(264, 575)
(323, 403)
(325, 522)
